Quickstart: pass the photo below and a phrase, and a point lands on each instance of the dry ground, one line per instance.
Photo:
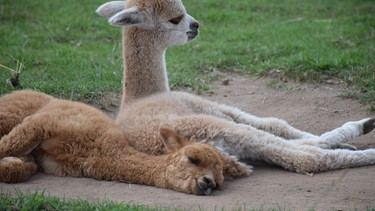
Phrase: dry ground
(314, 108)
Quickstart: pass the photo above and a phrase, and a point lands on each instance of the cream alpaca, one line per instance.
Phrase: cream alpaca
(159, 24)
(146, 44)
(66, 138)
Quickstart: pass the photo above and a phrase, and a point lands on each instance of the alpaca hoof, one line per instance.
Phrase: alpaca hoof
(346, 146)
(368, 126)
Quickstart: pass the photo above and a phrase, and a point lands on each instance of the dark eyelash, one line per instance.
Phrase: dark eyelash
(176, 20)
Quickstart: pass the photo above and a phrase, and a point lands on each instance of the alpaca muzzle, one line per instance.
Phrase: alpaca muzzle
(205, 184)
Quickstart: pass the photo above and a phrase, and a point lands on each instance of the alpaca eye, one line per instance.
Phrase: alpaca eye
(176, 20)
(194, 160)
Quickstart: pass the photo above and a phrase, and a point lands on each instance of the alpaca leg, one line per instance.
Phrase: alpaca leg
(8, 121)
(338, 137)
(309, 159)
(13, 169)
(239, 140)
(246, 142)
(23, 138)
(275, 126)
(17, 106)
(233, 168)
(331, 140)
(272, 125)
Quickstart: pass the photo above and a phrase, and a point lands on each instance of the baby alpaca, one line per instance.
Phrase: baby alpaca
(149, 27)
(66, 138)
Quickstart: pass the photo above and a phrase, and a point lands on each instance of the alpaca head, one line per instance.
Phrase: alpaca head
(195, 167)
(163, 21)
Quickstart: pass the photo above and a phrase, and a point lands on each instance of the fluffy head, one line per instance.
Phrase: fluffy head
(165, 20)
(195, 167)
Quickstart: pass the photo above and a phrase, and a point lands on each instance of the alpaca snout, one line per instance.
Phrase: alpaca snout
(194, 26)
(193, 33)
(205, 184)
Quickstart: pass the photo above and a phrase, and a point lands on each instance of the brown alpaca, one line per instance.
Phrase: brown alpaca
(66, 138)
(149, 27)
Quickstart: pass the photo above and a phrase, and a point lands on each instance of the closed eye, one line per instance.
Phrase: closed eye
(176, 20)
(194, 161)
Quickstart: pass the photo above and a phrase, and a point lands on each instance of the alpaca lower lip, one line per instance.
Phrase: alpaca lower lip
(192, 34)
(204, 192)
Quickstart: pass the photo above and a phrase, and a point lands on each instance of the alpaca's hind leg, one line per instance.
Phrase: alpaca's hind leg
(338, 137)
(23, 138)
(246, 142)
(13, 169)
(7, 122)
(309, 159)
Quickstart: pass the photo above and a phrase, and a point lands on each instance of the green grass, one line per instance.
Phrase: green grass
(65, 48)
(39, 201)
(69, 51)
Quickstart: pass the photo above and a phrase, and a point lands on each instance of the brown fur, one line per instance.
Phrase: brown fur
(66, 138)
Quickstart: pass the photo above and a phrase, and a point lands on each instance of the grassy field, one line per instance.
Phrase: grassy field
(40, 201)
(63, 48)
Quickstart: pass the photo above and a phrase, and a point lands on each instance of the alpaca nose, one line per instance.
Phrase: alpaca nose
(210, 183)
(206, 184)
(194, 25)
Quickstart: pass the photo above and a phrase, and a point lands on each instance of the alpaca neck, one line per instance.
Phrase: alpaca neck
(144, 66)
(130, 166)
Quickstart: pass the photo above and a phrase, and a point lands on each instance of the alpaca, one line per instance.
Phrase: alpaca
(144, 44)
(66, 138)
(149, 27)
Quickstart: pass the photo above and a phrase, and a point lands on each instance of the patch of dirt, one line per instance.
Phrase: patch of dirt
(313, 108)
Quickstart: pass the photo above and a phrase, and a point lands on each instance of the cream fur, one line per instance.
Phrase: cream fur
(66, 138)
(148, 104)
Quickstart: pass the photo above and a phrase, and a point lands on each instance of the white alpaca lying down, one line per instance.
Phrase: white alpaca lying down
(149, 27)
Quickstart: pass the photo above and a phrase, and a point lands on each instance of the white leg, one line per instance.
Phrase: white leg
(272, 125)
(247, 142)
(339, 136)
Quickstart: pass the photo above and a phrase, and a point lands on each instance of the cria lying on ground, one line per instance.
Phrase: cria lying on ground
(66, 138)
(149, 27)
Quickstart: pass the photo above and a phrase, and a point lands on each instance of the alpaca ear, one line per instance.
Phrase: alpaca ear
(109, 9)
(127, 17)
(171, 140)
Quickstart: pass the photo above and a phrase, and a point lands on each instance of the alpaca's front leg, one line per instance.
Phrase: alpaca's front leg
(272, 125)
(239, 140)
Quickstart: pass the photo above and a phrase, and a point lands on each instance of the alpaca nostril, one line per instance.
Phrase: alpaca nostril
(194, 25)
(210, 183)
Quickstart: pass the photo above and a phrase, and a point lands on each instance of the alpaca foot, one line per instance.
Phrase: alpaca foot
(368, 126)
(233, 168)
(13, 170)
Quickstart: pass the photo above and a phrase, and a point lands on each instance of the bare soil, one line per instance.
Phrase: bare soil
(315, 108)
